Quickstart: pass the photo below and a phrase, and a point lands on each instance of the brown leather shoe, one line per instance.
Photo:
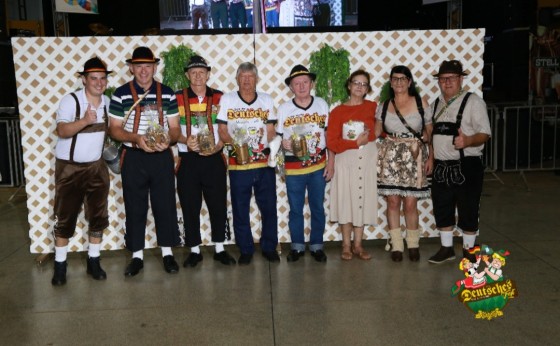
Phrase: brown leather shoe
(414, 254)
(396, 256)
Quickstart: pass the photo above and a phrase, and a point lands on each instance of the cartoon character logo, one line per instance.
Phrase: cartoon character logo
(485, 292)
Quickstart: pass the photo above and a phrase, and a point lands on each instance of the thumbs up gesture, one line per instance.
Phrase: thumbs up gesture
(461, 141)
(90, 116)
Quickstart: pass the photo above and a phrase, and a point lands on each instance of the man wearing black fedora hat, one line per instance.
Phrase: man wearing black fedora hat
(202, 169)
(460, 129)
(147, 168)
(302, 123)
(81, 175)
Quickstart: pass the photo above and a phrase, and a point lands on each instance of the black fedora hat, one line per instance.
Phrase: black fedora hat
(451, 66)
(142, 55)
(299, 70)
(197, 61)
(94, 65)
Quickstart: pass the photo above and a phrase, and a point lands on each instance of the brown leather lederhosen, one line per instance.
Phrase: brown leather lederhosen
(96, 202)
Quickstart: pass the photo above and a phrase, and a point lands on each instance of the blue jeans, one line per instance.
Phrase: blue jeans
(315, 184)
(242, 184)
(272, 19)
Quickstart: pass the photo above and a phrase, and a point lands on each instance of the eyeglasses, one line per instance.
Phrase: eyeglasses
(399, 79)
(451, 79)
(358, 83)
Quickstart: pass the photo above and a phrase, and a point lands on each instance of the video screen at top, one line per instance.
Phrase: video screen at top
(243, 14)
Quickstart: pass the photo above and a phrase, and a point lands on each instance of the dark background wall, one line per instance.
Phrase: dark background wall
(508, 24)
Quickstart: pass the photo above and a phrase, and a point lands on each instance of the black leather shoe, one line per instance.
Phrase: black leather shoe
(59, 276)
(170, 265)
(94, 268)
(319, 256)
(444, 254)
(294, 255)
(224, 258)
(244, 259)
(192, 260)
(134, 267)
(271, 256)
(414, 254)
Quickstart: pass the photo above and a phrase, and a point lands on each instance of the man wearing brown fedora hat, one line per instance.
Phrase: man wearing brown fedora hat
(460, 129)
(202, 168)
(81, 175)
(302, 123)
(137, 108)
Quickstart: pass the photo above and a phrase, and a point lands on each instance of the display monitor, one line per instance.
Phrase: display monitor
(258, 16)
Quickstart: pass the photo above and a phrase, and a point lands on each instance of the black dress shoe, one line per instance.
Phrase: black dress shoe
(245, 259)
(170, 265)
(319, 255)
(192, 260)
(59, 277)
(271, 256)
(224, 258)
(294, 255)
(94, 268)
(134, 267)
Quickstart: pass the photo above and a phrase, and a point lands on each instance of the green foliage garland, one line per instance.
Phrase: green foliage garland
(332, 68)
(175, 60)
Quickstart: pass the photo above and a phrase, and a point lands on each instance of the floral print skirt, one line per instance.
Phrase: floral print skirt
(401, 168)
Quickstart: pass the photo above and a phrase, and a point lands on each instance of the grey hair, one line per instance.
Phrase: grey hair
(247, 67)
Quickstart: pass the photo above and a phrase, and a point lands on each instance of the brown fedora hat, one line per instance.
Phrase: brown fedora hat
(451, 66)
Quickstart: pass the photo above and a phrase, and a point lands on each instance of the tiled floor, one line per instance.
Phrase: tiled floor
(303, 303)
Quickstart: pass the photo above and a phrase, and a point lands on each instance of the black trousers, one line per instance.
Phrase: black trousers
(197, 177)
(149, 176)
(465, 197)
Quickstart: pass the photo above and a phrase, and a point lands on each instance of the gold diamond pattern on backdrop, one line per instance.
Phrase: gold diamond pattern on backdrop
(46, 70)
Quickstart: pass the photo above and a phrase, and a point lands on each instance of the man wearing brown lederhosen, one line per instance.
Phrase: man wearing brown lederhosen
(81, 175)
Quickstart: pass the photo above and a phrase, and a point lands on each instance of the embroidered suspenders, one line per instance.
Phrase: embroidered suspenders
(446, 128)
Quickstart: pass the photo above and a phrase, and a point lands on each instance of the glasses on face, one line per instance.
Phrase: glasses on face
(399, 79)
(451, 79)
(358, 83)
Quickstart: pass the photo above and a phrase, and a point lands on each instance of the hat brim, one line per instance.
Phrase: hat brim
(142, 61)
(195, 66)
(462, 73)
(289, 79)
(82, 73)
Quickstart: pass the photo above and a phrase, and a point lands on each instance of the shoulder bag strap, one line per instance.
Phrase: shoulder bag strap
(416, 134)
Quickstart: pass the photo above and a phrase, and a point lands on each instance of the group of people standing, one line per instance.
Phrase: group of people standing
(342, 146)
(239, 13)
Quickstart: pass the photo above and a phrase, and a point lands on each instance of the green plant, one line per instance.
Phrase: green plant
(175, 60)
(332, 68)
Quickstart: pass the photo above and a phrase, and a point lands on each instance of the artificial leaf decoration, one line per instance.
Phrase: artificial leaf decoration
(175, 60)
(332, 68)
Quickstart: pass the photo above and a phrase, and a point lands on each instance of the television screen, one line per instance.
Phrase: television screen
(264, 15)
